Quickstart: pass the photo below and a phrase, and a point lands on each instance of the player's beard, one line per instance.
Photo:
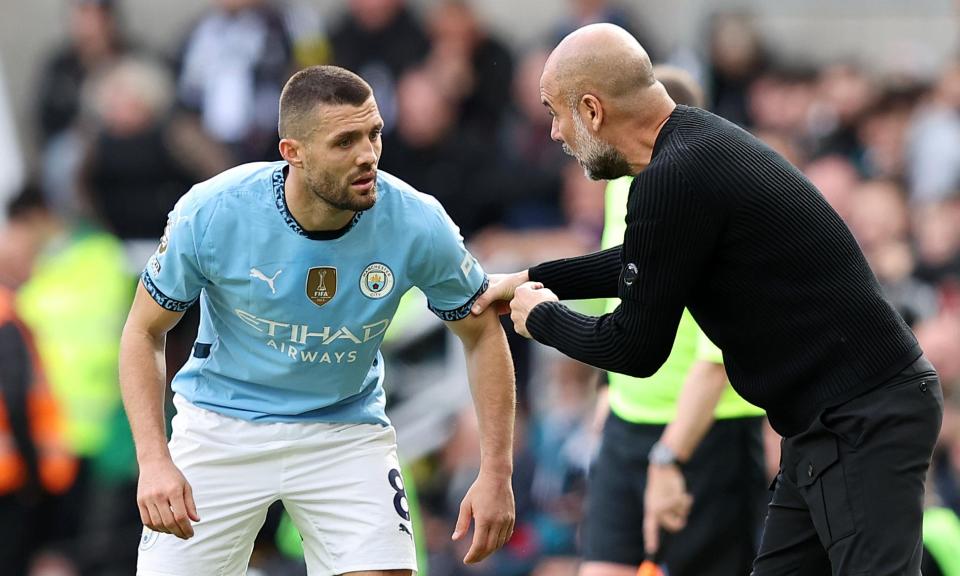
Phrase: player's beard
(337, 192)
(600, 160)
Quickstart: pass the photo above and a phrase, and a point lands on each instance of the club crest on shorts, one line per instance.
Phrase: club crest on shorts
(376, 281)
(148, 539)
(321, 284)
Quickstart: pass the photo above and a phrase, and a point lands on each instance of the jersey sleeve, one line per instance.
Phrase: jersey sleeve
(448, 274)
(174, 275)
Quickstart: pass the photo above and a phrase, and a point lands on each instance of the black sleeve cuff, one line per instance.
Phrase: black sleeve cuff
(463, 311)
(166, 302)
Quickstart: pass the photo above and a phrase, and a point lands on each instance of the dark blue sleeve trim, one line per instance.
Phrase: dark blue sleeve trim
(463, 311)
(162, 299)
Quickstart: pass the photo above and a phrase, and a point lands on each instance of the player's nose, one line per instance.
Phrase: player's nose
(368, 156)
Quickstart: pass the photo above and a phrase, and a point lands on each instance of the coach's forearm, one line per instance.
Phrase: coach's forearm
(493, 385)
(142, 384)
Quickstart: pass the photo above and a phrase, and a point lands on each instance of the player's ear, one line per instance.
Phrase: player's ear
(292, 151)
(592, 110)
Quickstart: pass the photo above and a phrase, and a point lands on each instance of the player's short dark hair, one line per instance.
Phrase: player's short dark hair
(313, 86)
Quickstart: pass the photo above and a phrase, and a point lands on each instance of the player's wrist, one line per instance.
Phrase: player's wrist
(153, 456)
(500, 467)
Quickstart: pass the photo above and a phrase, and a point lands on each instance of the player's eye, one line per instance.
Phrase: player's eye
(344, 142)
(375, 133)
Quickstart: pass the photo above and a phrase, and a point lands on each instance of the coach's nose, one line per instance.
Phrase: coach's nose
(555, 131)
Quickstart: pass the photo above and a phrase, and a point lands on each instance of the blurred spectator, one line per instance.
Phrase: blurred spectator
(141, 158)
(879, 217)
(527, 149)
(472, 66)
(77, 330)
(883, 132)
(35, 464)
(11, 159)
(780, 100)
(937, 236)
(736, 58)
(379, 40)
(232, 67)
(843, 95)
(933, 155)
(583, 12)
(835, 177)
(427, 151)
(94, 40)
(581, 205)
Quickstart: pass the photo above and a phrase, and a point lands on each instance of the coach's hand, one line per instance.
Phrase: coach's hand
(165, 499)
(490, 502)
(500, 292)
(525, 298)
(666, 504)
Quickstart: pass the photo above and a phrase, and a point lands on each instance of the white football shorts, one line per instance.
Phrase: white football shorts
(340, 483)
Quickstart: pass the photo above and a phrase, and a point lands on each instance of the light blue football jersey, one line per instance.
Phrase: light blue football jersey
(291, 321)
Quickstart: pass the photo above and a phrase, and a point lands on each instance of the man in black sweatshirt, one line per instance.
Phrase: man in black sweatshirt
(720, 223)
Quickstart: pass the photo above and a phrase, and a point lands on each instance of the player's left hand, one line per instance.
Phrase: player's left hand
(489, 501)
(525, 297)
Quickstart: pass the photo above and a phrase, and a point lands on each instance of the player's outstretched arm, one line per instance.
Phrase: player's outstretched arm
(490, 370)
(163, 494)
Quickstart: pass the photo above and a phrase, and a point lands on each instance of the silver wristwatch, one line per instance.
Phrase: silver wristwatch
(663, 455)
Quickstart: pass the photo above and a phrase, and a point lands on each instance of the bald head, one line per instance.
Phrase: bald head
(601, 59)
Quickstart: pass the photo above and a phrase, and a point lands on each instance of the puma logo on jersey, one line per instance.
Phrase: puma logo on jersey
(405, 530)
(269, 280)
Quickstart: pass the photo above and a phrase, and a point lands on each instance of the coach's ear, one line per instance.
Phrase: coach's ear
(292, 151)
(592, 111)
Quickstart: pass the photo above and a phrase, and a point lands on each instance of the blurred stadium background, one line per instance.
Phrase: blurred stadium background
(110, 109)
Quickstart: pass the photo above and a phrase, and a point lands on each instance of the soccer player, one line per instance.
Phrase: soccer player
(299, 266)
(719, 223)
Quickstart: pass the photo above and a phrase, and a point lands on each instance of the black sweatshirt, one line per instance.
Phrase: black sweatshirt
(721, 224)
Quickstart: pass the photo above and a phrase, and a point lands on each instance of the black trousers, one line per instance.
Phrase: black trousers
(726, 477)
(849, 497)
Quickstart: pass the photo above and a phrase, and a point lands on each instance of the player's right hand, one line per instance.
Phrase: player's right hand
(500, 292)
(165, 499)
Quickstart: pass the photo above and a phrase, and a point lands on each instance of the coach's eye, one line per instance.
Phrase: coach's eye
(376, 133)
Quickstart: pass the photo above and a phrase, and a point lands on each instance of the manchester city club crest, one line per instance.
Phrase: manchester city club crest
(321, 284)
(376, 281)
(148, 539)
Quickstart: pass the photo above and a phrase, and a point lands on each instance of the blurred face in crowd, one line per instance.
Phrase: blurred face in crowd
(237, 5)
(600, 160)
(425, 116)
(92, 27)
(374, 15)
(339, 157)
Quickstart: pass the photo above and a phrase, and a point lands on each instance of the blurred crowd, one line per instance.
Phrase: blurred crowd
(124, 131)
